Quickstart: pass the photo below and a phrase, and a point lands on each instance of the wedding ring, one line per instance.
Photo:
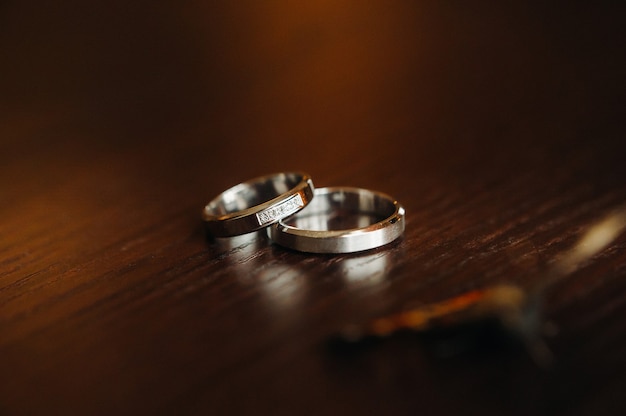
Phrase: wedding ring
(341, 220)
(257, 203)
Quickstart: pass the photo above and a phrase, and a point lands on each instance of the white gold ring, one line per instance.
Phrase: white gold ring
(341, 220)
(257, 203)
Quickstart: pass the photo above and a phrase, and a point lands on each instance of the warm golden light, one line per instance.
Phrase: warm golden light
(595, 239)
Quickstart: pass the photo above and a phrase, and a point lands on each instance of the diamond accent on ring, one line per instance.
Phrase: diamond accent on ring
(282, 210)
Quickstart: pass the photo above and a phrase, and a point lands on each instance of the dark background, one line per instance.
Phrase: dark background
(499, 127)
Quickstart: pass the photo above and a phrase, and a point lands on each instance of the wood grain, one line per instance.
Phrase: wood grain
(500, 129)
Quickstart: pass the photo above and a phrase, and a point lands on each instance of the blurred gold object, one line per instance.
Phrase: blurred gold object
(515, 309)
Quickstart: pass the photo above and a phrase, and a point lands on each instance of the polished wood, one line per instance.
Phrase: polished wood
(500, 128)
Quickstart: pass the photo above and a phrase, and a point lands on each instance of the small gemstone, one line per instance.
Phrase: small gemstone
(282, 210)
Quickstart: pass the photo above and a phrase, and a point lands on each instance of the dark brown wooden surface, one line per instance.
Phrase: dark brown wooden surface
(499, 128)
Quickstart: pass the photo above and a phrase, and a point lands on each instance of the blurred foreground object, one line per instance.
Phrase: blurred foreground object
(513, 311)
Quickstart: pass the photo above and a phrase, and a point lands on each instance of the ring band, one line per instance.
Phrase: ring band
(257, 203)
(341, 220)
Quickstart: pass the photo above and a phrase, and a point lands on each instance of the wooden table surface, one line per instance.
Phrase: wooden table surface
(500, 128)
